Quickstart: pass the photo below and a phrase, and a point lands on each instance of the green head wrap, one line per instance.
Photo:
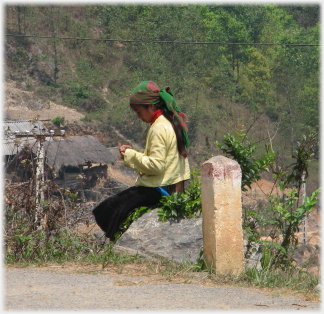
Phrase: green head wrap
(148, 93)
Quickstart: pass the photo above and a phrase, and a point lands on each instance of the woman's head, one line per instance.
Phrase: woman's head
(143, 100)
(147, 93)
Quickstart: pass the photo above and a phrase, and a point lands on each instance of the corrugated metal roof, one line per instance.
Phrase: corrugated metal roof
(24, 126)
(12, 145)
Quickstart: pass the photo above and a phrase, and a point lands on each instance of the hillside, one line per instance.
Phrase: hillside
(71, 55)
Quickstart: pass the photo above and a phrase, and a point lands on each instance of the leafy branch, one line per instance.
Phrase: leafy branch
(242, 150)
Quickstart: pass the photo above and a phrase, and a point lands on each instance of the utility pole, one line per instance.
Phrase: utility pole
(40, 135)
(40, 219)
(303, 195)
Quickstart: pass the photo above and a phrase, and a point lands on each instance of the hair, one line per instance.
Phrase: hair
(176, 127)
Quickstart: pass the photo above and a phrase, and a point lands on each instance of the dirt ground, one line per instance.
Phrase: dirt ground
(22, 105)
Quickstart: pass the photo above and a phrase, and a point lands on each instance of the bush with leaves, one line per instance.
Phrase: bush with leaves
(287, 217)
(241, 150)
(182, 205)
(58, 121)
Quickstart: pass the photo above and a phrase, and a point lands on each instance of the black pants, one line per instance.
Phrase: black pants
(113, 211)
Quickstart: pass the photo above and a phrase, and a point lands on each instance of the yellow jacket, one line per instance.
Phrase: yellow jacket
(161, 163)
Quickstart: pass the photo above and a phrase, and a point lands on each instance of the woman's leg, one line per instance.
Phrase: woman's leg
(113, 211)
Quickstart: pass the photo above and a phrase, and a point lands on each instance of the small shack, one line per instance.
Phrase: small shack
(77, 162)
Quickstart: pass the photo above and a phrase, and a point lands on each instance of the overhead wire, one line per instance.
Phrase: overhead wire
(162, 41)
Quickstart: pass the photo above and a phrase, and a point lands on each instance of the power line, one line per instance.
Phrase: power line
(162, 41)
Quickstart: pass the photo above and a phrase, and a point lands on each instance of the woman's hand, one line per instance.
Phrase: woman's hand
(122, 149)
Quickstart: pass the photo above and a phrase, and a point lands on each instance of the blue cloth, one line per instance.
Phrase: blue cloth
(163, 190)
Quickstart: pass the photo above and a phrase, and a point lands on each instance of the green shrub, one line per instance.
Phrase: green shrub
(182, 205)
(241, 150)
(58, 121)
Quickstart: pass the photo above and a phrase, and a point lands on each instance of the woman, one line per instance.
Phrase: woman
(162, 167)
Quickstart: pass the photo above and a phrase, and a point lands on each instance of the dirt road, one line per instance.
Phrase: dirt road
(53, 288)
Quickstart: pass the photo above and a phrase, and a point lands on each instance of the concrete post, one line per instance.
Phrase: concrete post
(222, 215)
